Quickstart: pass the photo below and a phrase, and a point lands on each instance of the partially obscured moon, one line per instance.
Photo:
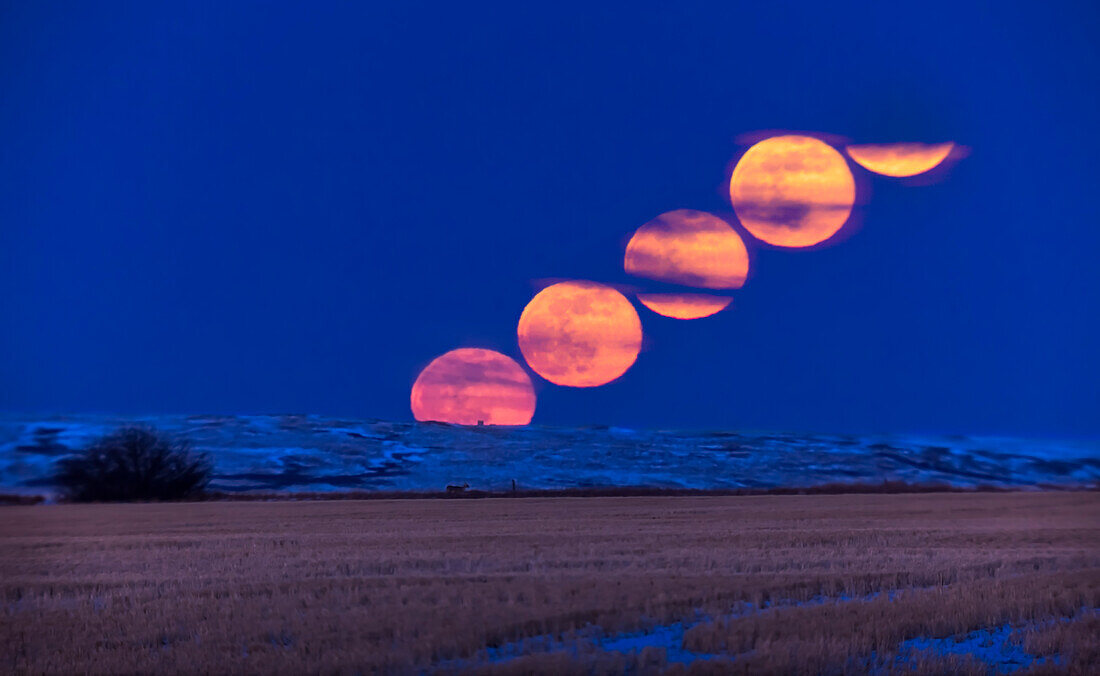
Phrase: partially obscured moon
(792, 191)
(684, 305)
(580, 334)
(472, 385)
(688, 247)
(900, 159)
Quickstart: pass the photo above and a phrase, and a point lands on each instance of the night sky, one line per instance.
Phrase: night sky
(235, 207)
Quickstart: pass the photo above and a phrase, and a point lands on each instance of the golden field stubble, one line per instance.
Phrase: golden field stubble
(397, 586)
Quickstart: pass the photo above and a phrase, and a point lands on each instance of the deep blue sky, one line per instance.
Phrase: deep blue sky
(236, 207)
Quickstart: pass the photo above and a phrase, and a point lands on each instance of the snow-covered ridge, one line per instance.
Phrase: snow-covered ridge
(312, 453)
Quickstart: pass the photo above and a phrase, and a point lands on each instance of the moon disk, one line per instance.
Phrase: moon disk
(472, 385)
(688, 247)
(684, 305)
(900, 159)
(579, 334)
(792, 191)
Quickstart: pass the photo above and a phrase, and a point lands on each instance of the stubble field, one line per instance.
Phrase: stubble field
(769, 584)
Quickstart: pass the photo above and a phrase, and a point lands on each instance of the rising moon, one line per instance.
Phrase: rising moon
(579, 334)
(792, 191)
(684, 305)
(471, 385)
(900, 159)
(688, 247)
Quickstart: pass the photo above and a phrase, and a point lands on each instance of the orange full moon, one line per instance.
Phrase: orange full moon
(472, 385)
(579, 334)
(684, 305)
(688, 247)
(792, 191)
(900, 159)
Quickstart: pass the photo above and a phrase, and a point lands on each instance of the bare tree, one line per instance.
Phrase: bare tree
(134, 463)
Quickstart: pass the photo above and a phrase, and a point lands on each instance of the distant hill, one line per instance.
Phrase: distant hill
(312, 453)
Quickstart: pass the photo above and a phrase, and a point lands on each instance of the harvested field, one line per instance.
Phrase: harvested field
(764, 584)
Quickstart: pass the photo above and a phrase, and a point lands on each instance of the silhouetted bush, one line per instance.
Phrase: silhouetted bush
(134, 463)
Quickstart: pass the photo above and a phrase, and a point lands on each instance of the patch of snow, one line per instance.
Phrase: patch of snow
(299, 453)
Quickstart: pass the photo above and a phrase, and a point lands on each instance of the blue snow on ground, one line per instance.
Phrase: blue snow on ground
(668, 637)
(992, 646)
(314, 453)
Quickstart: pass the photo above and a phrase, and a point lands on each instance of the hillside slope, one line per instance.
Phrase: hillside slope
(311, 453)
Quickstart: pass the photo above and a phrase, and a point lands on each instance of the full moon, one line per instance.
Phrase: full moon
(684, 305)
(792, 191)
(579, 334)
(688, 247)
(900, 159)
(472, 385)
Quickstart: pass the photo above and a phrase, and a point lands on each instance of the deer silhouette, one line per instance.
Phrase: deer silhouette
(452, 489)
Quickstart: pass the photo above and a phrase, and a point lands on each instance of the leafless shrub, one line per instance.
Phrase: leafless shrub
(133, 463)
